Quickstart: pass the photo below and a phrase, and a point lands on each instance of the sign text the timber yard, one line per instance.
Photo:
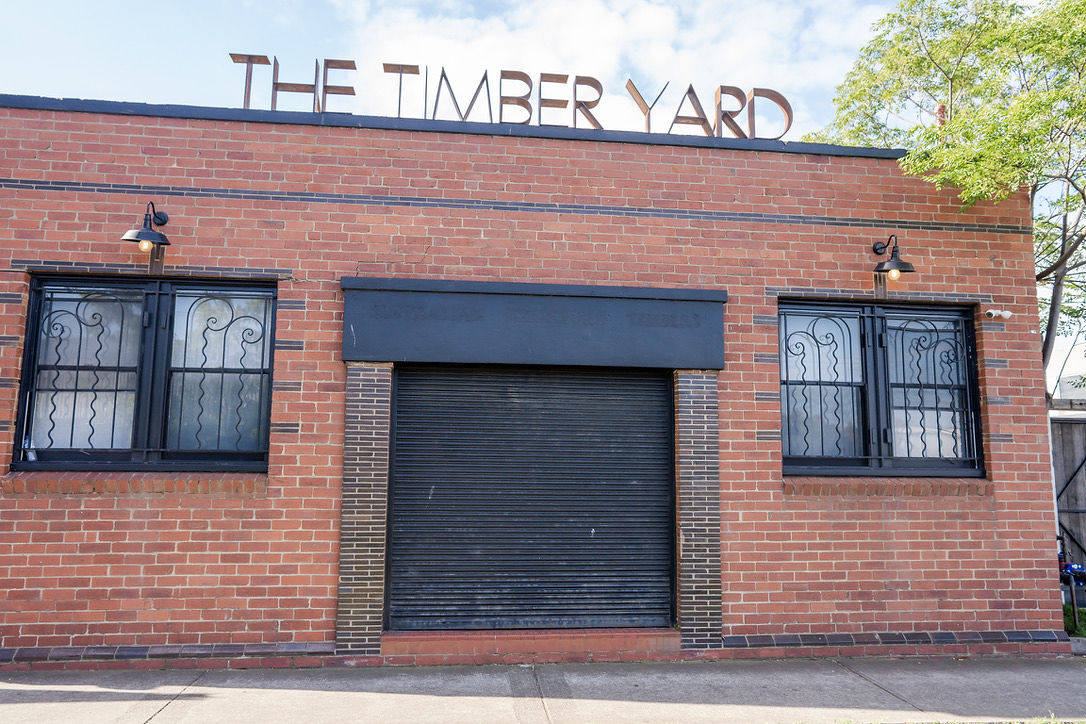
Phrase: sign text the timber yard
(520, 100)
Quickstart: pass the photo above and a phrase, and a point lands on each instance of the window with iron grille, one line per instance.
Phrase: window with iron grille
(145, 375)
(878, 390)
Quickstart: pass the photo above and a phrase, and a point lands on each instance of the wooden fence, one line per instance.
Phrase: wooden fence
(1069, 465)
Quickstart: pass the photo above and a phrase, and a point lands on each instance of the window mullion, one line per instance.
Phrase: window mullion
(879, 389)
(161, 344)
(143, 376)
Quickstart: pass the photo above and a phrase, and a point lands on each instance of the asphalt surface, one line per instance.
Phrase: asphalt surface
(795, 690)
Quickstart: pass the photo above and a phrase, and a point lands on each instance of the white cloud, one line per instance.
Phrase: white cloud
(802, 49)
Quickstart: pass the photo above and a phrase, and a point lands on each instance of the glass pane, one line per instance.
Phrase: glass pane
(925, 351)
(217, 411)
(822, 421)
(822, 378)
(90, 327)
(220, 371)
(929, 398)
(928, 433)
(820, 346)
(96, 413)
(214, 330)
(88, 350)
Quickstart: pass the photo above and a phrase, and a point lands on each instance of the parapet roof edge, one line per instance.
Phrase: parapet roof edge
(348, 120)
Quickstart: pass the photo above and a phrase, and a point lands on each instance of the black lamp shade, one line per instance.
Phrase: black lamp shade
(147, 232)
(894, 263)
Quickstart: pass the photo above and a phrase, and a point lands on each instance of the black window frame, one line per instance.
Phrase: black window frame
(876, 389)
(149, 451)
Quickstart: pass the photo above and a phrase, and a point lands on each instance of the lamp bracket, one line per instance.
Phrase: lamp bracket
(158, 218)
(880, 247)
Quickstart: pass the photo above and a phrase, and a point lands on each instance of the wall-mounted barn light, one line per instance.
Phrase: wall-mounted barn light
(146, 235)
(893, 267)
(147, 238)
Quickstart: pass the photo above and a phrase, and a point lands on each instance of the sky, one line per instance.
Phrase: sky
(177, 52)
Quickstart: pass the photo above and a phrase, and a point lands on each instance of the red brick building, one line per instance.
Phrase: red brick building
(415, 391)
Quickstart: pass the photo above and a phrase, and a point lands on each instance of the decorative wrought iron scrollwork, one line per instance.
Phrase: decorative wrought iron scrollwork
(222, 346)
(818, 362)
(81, 325)
(927, 367)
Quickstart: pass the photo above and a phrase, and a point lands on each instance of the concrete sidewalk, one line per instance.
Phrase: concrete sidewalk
(795, 690)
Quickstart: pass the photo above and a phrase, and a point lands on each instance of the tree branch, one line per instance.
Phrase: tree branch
(1051, 328)
(1069, 250)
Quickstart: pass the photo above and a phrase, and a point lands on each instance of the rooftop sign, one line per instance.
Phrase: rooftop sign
(549, 99)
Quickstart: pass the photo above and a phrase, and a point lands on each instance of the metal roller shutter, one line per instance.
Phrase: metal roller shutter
(530, 497)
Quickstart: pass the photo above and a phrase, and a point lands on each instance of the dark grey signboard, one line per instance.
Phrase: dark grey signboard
(423, 320)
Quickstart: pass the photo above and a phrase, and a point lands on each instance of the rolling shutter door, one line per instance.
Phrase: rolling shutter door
(529, 497)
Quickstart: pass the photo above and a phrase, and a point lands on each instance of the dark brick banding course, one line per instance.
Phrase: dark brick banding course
(698, 483)
(360, 612)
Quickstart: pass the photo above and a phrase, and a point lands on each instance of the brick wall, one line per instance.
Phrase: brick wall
(159, 559)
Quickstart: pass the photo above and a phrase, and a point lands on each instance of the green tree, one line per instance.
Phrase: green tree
(989, 97)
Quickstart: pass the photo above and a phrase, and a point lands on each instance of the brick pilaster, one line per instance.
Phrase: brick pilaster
(698, 475)
(359, 617)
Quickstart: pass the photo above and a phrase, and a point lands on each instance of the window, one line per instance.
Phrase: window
(878, 390)
(145, 375)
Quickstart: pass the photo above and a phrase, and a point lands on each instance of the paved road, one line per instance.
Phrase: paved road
(796, 690)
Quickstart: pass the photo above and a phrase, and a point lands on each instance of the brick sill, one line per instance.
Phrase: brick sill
(883, 486)
(530, 641)
(132, 483)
